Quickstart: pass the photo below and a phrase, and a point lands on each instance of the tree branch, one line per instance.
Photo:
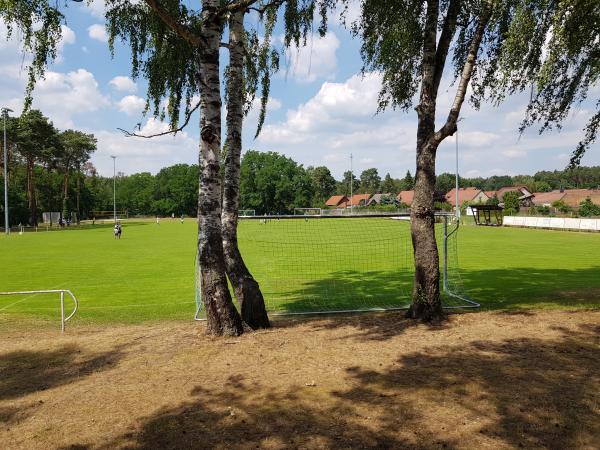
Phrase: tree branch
(444, 42)
(274, 3)
(427, 99)
(242, 5)
(450, 126)
(177, 27)
(164, 133)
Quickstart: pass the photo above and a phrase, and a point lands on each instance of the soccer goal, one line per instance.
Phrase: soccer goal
(104, 216)
(247, 213)
(343, 264)
(307, 211)
(50, 217)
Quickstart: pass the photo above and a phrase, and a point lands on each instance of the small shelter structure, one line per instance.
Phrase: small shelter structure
(487, 215)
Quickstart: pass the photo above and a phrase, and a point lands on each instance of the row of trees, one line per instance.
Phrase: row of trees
(45, 167)
(269, 183)
(494, 46)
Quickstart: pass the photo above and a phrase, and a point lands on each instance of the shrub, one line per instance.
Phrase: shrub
(588, 209)
(511, 203)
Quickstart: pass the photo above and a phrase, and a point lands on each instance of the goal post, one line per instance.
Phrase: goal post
(247, 213)
(109, 215)
(307, 211)
(332, 264)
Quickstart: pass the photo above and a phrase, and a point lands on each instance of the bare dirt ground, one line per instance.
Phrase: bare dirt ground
(483, 380)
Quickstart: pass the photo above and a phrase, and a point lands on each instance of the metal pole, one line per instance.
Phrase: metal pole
(456, 179)
(351, 183)
(114, 187)
(5, 112)
(62, 311)
(445, 272)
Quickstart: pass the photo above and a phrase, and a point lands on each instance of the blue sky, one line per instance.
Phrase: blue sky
(321, 110)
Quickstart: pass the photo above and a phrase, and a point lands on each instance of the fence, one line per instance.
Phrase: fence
(558, 223)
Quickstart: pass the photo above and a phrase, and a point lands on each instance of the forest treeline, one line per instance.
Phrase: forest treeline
(63, 180)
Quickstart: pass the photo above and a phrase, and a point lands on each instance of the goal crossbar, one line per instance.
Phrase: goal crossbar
(62, 293)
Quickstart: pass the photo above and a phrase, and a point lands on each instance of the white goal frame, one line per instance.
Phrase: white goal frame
(307, 211)
(62, 293)
(246, 213)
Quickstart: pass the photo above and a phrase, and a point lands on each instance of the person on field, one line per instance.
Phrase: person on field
(181, 219)
(157, 220)
(118, 231)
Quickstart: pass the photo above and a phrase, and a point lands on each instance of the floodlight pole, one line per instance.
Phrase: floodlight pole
(5, 112)
(351, 183)
(114, 187)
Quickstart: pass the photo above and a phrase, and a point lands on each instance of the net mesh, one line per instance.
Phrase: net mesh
(320, 265)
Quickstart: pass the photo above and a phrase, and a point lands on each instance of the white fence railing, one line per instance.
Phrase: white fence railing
(559, 223)
(62, 292)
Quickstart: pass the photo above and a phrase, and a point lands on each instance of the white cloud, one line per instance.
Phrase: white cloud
(514, 152)
(477, 138)
(131, 105)
(61, 96)
(315, 60)
(335, 158)
(68, 35)
(94, 7)
(123, 83)
(98, 32)
(341, 119)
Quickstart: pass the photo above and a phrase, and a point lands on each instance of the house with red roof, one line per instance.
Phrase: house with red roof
(406, 197)
(547, 198)
(574, 197)
(525, 197)
(337, 201)
(469, 195)
(359, 200)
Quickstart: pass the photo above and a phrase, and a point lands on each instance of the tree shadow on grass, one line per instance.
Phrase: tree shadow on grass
(347, 290)
(24, 372)
(504, 290)
(526, 287)
(529, 393)
(370, 326)
(526, 392)
(236, 418)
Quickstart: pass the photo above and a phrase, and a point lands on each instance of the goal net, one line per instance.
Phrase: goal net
(247, 213)
(50, 217)
(330, 264)
(307, 211)
(104, 216)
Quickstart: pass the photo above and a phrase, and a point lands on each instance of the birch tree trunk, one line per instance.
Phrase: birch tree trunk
(222, 317)
(245, 287)
(426, 303)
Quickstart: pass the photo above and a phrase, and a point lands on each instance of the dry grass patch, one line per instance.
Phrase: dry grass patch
(484, 380)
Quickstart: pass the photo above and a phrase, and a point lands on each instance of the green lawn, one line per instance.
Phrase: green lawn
(301, 265)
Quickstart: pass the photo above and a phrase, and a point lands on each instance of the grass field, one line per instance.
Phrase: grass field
(149, 273)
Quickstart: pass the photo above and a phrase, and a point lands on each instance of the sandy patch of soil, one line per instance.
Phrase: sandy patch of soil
(482, 380)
